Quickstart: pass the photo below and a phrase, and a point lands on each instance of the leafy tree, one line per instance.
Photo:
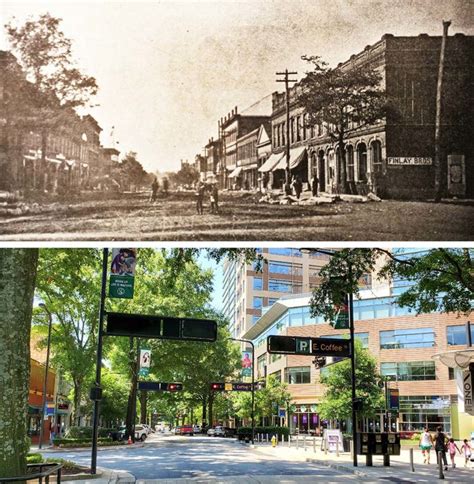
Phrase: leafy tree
(17, 282)
(45, 54)
(132, 172)
(441, 279)
(69, 284)
(336, 403)
(342, 101)
(113, 406)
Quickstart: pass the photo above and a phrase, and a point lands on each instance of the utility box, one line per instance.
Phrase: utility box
(378, 443)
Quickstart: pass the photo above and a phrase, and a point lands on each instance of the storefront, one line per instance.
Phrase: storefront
(304, 419)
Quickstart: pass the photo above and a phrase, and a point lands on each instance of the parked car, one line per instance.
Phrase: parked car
(140, 432)
(221, 431)
(197, 429)
(148, 429)
(211, 432)
(119, 434)
(186, 430)
(177, 430)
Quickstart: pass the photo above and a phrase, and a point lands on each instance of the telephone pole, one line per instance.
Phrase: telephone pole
(287, 81)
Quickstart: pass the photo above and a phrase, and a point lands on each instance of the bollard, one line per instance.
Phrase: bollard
(440, 465)
(297, 442)
(412, 465)
(337, 448)
(314, 444)
(267, 438)
(304, 443)
(386, 460)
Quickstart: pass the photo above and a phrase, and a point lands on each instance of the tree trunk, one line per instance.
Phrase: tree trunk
(77, 403)
(342, 164)
(143, 406)
(211, 401)
(17, 284)
(204, 412)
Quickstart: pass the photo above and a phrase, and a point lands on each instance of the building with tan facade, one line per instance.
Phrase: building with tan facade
(403, 343)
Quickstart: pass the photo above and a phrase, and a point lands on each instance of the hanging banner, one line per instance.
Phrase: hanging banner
(145, 361)
(122, 273)
(341, 320)
(246, 363)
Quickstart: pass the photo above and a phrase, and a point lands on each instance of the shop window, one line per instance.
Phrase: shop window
(457, 335)
(350, 163)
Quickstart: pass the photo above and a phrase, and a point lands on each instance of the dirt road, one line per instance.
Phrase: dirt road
(134, 217)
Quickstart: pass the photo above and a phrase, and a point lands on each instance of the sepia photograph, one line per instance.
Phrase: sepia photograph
(237, 120)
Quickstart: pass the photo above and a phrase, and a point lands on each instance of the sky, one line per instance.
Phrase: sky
(169, 70)
(218, 276)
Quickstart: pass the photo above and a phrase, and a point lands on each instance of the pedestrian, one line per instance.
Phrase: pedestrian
(214, 199)
(467, 452)
(199, 197)
(314, 185)
(165, 185)
(452, 448)
(440, 446)
(298, 186)
(154, 189)
(426, 443)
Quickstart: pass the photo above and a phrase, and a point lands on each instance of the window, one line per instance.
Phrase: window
(280, 285)
(350, 163)
(257, 283)
(408, 371)
(274, 357)
(457, 335)
(407, 338)
(363, 338)
(284, 268)
(272, 300)
(376, 151)
(298, 374)
(276, 375)
(418, 412)
(257, 302)
(451, 375)
(255, 318)
(262, 366)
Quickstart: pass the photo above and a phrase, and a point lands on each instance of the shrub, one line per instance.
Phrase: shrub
(246, 432)
(88, 441)
(86, 432)
(34, 459)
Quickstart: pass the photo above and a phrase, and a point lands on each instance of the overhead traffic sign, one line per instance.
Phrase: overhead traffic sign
(160, 327)
(293, 345)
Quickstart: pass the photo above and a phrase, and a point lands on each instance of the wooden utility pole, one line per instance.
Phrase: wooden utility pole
(286, 80)
(439, 94)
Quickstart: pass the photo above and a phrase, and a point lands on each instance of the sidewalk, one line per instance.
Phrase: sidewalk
(399, 470)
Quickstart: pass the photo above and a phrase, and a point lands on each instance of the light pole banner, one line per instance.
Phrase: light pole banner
(246, 363)
(145, 361)
(122, 273)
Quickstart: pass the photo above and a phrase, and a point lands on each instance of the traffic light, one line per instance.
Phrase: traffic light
(175, 387)
(217, 387)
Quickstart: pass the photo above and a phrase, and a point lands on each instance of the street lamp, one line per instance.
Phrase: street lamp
(45, 383)
(253, 382)
(352, 346)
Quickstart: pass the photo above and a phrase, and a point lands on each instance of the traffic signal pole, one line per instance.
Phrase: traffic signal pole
(98, 369)
(253, 383)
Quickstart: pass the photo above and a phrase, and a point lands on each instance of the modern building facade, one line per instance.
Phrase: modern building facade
(246, 292)
(403, 343)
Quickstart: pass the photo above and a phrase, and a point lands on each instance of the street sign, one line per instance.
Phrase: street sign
(241, 387)
(160, 327)
(218, 387)
(308, 346)
(155, 386)
(144, 372)
(122, 273)
(231, 387)
(393, 399)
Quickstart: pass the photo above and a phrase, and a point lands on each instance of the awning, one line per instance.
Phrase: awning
(236, 172)
(456, 358)
(296, 155)
(271, 162)
(252, 166)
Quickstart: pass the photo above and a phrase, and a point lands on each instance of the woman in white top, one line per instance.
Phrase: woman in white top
(426, 443)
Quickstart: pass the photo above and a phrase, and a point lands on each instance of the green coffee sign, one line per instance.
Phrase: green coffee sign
(122, 273)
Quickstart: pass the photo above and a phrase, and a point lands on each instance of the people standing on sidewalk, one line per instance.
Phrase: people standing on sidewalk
(466, 451)
(452, 448)
(154, 189)
(214, 199)
(314, 185)
(426, 443)
(441, 446)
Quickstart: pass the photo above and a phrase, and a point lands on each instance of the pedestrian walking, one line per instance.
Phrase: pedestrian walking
(214, 199)
(165, 185)
(154, 189)
(199, 197)
(426, 443)
(298, 186)
(452, 448)
(466, 451)
(441, 446)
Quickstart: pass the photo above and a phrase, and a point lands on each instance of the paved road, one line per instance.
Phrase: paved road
(202, 457)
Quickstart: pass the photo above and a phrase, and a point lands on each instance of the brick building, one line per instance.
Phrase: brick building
(402, 342)
(395, 156)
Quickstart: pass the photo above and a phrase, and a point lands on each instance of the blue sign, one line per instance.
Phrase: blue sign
(282, 413)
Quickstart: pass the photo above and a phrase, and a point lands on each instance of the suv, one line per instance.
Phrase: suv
(186, 430)
(140, 433)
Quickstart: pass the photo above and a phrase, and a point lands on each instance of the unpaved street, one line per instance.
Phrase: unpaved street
(134, 217)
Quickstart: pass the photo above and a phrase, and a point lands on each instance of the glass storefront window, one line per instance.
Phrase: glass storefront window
(457, 335)
(409, 371)
(418, 412)
(407, 338)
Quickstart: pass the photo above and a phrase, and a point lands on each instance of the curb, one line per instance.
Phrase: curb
(106, 476)
(88, 449)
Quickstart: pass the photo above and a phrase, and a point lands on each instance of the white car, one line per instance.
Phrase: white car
(140, 433)
(211, 432)
(148, 429)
